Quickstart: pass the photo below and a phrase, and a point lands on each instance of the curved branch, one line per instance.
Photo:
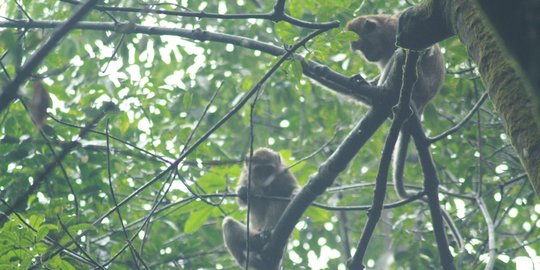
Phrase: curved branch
(462, 122)
(355, 87)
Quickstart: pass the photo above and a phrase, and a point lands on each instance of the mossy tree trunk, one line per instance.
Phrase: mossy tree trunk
(503, 76)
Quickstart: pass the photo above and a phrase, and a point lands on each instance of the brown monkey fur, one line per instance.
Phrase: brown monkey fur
(269, 177)
(377, 44)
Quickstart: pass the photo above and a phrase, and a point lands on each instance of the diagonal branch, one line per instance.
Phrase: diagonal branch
(431, 186)
(9, 92)
(20, 201)
(320, 181)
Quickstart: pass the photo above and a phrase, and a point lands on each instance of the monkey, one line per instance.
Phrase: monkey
(377, 44)
(269, 177)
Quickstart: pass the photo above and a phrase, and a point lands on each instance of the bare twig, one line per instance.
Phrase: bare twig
(492, 246)
(74, 240)
(462, 122)
(278, 14)
(20, 201)
(134, 253)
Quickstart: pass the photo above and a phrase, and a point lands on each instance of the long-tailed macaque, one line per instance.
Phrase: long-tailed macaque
(377, 44)
(269, 177)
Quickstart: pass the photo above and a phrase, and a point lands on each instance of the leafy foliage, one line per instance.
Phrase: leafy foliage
(162, 87)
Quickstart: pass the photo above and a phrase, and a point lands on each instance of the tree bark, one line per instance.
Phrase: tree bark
(499, 70)
(506, 88)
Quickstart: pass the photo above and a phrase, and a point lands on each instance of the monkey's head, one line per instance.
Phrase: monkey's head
(377, 37)
(265, 165)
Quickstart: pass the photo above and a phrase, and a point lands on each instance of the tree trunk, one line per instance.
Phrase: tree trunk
(499, 70)
(506, 89)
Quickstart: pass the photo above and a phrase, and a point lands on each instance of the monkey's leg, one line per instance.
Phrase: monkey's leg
(234, 235)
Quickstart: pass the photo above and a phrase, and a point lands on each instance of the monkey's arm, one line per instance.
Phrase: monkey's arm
(242, 192)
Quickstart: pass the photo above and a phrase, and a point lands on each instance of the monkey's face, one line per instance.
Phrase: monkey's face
(366, 43)
(263, 171)
(265, 164)
(376, 37)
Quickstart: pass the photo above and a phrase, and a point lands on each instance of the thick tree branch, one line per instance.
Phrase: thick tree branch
(318, 182)
(423, 25)
(517, 27)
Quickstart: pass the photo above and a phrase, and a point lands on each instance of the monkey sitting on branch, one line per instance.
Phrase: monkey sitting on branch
(269, 176)
(377, 44)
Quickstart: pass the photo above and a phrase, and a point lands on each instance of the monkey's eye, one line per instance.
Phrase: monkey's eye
(369, 26)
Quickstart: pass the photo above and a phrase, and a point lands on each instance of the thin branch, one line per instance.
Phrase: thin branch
(21, 8)
(112, 137)
(65, 228)
(55, 156)
(431, 185)
(134, 253)
(462, 122)
(136, 233)
(20, 201)
(10, 90)
(344, 230)
(354, 87)
(492, 258)
(277, 15)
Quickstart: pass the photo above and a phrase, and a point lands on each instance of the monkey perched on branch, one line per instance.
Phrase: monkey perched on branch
(377, 43)
(269, 177)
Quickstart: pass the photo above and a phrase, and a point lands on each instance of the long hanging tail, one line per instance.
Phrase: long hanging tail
(400, 155)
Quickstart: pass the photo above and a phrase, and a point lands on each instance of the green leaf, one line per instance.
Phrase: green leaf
(36, 220)
(296, 69)
(286, 32)
(197, 219)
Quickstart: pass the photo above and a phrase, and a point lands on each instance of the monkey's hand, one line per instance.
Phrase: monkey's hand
(261, 239)
(242, 194)
(358, 79)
